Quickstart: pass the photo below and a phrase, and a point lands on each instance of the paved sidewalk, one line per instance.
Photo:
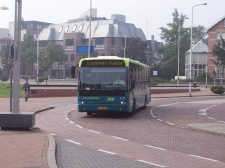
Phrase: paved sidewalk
(35, 148)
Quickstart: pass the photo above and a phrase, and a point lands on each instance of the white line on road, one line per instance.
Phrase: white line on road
(155, 147)
(71, 122)
(169, 123)
(67, 118)
(52, 134)
(222, 121)
(73, 142)
(106, 151)
(94, 131)
(159, 119)
(204, 158)
(211, 118)
(120, 138)
(79, 126)
(151, 163)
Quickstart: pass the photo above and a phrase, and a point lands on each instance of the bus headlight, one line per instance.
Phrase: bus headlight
(122, 102)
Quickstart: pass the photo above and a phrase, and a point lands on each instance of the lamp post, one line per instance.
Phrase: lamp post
(89, 46)
(191, 47)
(38, 28)
(178, 53)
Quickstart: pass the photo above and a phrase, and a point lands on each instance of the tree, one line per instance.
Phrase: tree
(218, 51)
(171, 37)
(199, 33)
(28, 52)
(48, 55)
(5, 59)
(135, 49)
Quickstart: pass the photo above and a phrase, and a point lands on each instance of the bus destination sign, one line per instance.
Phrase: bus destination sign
(103, 63)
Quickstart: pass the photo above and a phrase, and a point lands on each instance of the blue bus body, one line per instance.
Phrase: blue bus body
(97, 91)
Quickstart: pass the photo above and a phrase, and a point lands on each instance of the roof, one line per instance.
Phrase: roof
(215, 23)
(99, 29)
(200, 47)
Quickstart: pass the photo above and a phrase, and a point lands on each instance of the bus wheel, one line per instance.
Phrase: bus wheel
(89, 113)
(145, 103)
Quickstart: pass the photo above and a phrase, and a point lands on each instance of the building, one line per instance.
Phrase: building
(108, 37)
(214, 33)
(199, 60)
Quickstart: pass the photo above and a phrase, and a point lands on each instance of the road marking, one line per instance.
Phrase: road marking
(79, 126)
(52, 134)
(155, 147)
(106, 151)
(159, 119)
(73, 142)
(143, 161)
(95, 131)
(67, 118)
(71, 122)
(120, 138)
(204, 158)
(222, 121)
(169, 123)
(211, 118)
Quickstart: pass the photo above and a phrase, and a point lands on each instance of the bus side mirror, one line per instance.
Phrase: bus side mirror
(132, 84)
(73, 72)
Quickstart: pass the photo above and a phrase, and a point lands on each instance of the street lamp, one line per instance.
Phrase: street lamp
(178, 53)
(191, 47)
(4, 8)
(38, 28)
(89, 46)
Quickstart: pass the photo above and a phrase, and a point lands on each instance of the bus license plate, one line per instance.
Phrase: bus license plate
(102, 108)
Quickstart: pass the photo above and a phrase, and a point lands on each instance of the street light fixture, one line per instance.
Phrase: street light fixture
(4, 8)
(190, 66)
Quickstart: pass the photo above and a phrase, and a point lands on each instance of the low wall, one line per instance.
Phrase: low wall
(60, 92)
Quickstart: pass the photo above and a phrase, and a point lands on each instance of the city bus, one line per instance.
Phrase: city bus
(98, 92)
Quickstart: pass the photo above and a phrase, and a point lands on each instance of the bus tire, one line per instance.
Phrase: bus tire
(89, 113)
(145, 102)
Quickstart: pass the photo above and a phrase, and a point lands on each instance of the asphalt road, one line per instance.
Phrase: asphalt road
(157, 136)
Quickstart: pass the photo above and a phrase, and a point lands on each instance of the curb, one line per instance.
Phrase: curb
(207, 127)
(52, 146)
(51, 152)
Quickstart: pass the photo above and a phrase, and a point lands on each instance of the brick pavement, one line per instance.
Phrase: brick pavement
(30, 148)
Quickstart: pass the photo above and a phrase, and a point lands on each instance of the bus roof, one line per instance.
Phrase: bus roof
(126, 60)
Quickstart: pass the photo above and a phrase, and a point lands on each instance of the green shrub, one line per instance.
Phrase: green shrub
(4, 78)
(41, 79)
(157, 80)
(217, 89)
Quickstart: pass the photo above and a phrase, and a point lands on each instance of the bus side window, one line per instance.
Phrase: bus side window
(132, 84)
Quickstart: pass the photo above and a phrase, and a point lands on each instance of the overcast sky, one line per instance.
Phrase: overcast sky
(157, 12)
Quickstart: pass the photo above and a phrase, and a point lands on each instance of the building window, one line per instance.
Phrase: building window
(72, 57)
(74, 28)
(69, 44)
(67, 27)
(81, 27)
(99, 42)
(60, 29)
(220, 34)
(65, 58)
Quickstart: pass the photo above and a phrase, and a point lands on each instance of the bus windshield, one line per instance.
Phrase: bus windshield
(102, 78)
